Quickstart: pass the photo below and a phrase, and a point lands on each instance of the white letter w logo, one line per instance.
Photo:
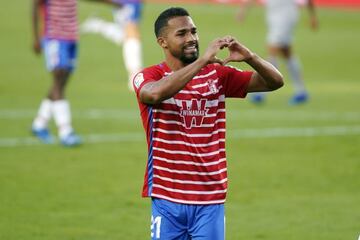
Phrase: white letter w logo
(193, 112)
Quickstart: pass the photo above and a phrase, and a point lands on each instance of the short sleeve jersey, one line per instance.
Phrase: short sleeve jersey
(186, 135)
(60, 19)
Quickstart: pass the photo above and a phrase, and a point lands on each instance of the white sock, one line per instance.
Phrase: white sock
(62, 116)
(113, 32)
(92, 25)
(294, 69)
(43, 115)
(132, 58)
(108, 30)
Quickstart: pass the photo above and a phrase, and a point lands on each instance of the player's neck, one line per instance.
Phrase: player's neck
(174, 64)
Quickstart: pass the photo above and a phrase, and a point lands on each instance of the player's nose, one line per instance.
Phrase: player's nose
(191, 37)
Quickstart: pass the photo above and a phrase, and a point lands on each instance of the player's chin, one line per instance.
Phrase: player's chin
(190, 57)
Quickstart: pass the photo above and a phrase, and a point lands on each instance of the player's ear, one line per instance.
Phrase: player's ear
(162, 42)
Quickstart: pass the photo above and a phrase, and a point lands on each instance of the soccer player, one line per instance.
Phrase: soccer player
(124, 30)
(182, 106)
(282, 17)
(58, 38)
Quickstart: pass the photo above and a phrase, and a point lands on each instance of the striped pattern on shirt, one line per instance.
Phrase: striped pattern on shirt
(60, 19)
(186, 135)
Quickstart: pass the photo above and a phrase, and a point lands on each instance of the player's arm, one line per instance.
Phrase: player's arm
(243, 10)
(313, 17)
(265, 78)
(158, 91)
(35, 25)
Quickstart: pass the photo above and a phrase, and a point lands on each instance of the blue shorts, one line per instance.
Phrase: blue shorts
(59, 54)
(130, 12)
(175, 221)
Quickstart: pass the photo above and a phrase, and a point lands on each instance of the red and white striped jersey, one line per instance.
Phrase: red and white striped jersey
(186, 135)
(60, 19)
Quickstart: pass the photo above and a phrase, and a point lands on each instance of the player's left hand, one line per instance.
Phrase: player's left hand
(213, 49)
(237, 52)
(240, 15)
(314, 24)
(37, 47)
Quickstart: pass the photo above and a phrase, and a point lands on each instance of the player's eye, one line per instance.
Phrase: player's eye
(181, 34)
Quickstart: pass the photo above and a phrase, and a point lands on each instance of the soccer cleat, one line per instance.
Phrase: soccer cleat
(43, 135)
(257, 98)
(299, 98)
(71, 140)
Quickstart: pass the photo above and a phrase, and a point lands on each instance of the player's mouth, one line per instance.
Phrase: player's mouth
(191, 49)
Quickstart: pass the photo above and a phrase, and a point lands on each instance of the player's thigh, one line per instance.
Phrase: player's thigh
(280, 35)
(281, 30)
(209, 223)
(167, 221)
(52, 52)
(72, 51)
(60, 54)
(130, 12)
(135, 12)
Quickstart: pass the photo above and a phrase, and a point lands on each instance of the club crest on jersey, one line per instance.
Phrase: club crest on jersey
(193, 112)
(212, 86)
(138, 79)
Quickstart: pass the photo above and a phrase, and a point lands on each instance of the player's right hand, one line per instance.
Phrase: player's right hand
(314, 24)
(37, 47)
(214, 47)
(240, 15)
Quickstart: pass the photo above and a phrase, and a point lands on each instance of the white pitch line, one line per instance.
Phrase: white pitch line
(231, 134)
(83, 114)
(296, 132)
(130, 115)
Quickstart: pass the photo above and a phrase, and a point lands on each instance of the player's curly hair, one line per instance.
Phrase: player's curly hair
(165, 16)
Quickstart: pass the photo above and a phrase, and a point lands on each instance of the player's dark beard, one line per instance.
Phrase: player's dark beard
(190, 59)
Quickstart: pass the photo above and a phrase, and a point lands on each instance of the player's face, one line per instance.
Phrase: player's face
(182, 39)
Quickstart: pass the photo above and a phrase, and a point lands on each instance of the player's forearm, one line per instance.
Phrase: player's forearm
(270, 76)
(311, 7)
(169, 86)
(247, 4)
(313, 18)
(244, 8)
(35, 20)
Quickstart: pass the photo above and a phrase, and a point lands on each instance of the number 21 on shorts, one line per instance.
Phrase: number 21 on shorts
(155, 227)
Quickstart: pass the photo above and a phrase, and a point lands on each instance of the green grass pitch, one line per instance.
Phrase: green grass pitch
(293, 171)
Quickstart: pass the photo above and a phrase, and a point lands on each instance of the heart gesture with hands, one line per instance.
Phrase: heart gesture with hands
(237, 51)
(214, 47)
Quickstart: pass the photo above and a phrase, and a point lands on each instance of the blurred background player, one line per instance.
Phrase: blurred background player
(123, 30)
(58, 37)
(282, 17)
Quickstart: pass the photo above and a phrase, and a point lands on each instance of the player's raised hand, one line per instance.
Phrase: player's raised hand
(213, 48)
(240, 15)
(37, 47)
(314, 24)
(237, 52)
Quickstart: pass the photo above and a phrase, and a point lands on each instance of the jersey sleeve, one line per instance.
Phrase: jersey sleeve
(147, 75)
(234, 81)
